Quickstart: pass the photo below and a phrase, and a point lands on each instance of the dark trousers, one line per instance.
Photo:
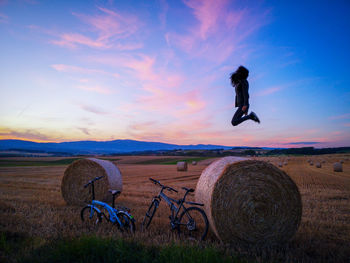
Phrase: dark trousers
(237, 118)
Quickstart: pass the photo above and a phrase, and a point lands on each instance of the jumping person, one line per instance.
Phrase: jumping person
(239, 81)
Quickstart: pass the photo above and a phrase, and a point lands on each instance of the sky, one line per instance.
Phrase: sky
(158, 70)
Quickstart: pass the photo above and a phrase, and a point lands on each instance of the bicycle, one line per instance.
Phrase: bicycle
(193, 221)
(92, 215)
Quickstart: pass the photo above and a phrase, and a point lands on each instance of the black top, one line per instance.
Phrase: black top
(242, 95)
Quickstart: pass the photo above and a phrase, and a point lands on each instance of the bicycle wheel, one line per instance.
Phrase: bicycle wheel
(193, 223)
(90, 217)
(127, 223)
(149, 215)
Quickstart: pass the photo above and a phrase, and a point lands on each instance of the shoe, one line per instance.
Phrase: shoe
(254, 117)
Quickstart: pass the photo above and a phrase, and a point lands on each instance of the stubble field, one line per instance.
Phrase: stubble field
(31, 205)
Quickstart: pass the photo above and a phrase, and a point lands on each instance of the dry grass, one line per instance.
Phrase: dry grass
(31, 204)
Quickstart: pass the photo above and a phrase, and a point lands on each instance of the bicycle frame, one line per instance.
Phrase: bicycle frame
(111, 211)
(170, 201)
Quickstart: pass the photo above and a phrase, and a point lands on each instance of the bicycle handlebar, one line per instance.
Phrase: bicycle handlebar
(164, 186)
(93, 180)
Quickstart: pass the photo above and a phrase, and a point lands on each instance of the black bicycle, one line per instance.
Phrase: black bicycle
(192, 222)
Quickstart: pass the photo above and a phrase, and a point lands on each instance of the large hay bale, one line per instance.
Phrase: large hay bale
(337, 167)
(311, 163)
(280, 164)
(318, 165)
(181, 166)
(81, 172)
(249, 201)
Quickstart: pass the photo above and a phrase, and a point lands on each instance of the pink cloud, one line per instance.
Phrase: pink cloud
(340, 117)
(3, 18)
(96, 88)
(269, 91)
(75, 69)
(347, 124)
(109, 27)
(219, 32)
(208, 13)
(73, 40)
(81, 70)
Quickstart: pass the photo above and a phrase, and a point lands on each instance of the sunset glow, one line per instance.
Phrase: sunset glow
(159, 71)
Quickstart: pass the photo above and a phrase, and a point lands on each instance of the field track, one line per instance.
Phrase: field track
(31, 202)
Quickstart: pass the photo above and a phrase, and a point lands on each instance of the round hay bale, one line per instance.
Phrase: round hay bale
(337, 167)
(318, 165)
(285, 163)
(249, 201)
(323, 161)
(81, 172)
(194, 163)
(280, 165)
(308, 160)
(181, 166)
(311, 163)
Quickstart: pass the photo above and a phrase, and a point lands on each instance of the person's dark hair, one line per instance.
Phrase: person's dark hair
(240, 74)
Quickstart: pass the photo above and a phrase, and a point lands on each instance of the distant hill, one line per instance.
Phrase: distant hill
(102, 147)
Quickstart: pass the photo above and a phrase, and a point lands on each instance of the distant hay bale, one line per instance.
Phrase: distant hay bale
(181, 166)
(81, 172)
(342, 161)
(194, 163)
(337, 167)
(318, 165)
(285, 163)
(308, 160)
(280, 165)
(323, 161)
(311, 163)
(249, 201)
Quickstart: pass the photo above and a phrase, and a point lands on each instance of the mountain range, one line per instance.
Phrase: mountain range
(101, 147)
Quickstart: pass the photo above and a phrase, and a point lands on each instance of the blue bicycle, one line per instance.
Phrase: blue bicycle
(92, 215)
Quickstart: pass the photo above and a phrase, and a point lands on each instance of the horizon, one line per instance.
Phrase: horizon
(233, 146)
(108, 70)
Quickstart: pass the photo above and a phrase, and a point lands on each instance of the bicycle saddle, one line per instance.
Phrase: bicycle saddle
(114, 192)
(188, 189)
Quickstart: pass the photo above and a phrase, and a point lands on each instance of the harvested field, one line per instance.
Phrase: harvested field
(31, 205)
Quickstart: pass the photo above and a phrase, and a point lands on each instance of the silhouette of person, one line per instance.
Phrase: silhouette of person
(240, 83)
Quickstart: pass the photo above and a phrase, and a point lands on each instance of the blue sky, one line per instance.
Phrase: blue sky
(159, 71)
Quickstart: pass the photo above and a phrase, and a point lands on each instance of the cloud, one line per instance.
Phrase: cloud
(28, 134)
(303, 143)
(76, 69)
(219, 31)
(84, 130)
(163, 89)
(96, 88)
(4, 18)
(109, 28)
(269, 91)
(207, 13)
(340, 117)
(93, 109)
(347, 124)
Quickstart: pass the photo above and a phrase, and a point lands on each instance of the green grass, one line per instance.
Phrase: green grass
(94, 249)
(67, 161)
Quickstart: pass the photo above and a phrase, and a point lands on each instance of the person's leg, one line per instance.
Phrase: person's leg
(237, 117)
